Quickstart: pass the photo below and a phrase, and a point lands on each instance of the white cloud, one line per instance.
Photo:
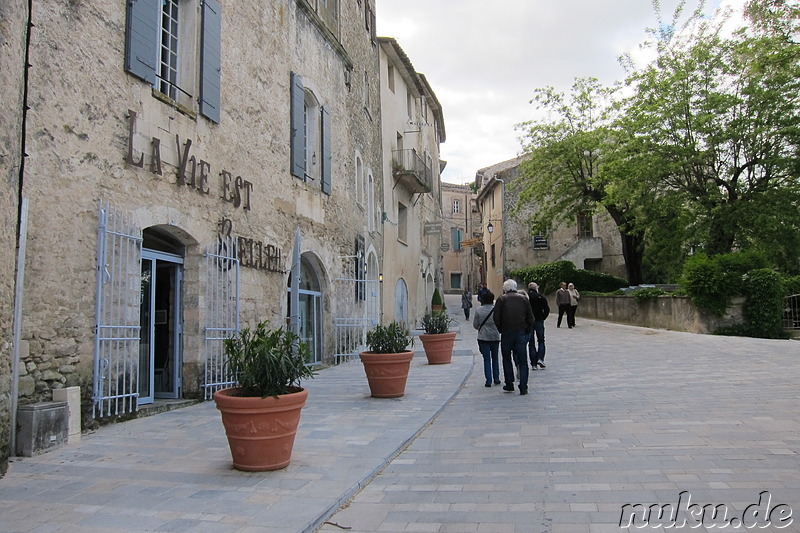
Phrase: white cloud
(483, 60)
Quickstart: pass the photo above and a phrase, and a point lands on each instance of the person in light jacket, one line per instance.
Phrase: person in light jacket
(488, 338)
(562, 301)
(574, 296)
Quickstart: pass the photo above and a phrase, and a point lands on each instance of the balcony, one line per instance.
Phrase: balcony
(410, 171)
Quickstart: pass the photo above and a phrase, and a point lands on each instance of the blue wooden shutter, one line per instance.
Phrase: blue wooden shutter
(141, 38)
(298, 137)
(210, 60)
(326, 151)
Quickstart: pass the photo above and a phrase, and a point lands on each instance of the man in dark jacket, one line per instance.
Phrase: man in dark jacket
(540, 309)
(514, 320)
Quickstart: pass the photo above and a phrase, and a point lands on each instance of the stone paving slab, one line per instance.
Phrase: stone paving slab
(622, 415)
(172, 472)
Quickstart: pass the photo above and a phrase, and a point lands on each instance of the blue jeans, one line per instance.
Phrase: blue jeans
(536, 354)
(491, 369)
(514, 347)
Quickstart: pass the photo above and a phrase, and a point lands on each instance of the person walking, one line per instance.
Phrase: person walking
(480, 292)
(488, 337)
(563, 302)
(540, 309)
(466, 302)
(514, 320)
(574, 296)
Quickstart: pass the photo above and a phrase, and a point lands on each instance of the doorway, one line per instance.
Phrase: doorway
(161, 319)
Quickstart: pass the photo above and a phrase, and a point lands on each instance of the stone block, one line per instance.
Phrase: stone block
(41, 427)
(72, 397)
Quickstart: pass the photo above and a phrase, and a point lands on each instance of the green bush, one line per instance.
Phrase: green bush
(549, 275)
(436, 299)
(436, 322)
(793, 285)
(764, 290)
(704, 283)
(648, 293)
(393, 338)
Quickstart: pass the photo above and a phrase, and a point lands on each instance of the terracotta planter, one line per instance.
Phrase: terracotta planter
(260, 431)
(438, 347)
(387, 372)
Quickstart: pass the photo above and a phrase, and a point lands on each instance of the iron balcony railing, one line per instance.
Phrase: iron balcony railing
(410, 170)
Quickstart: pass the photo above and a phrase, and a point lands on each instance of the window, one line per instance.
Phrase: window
(585, 225)
(310, 136)
(456, 234)
(370, 203)
(161, 49)
(493, 260)
(360, 268)
(456, 207)
(369, 20)
(455, 280)
(365, 89)
(390, 78)
(410, 105)
(402, 223)
(359, 181)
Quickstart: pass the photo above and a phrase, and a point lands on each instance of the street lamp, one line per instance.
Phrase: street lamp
(490, 228)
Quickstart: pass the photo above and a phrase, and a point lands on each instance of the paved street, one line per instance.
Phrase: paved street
(622, 415)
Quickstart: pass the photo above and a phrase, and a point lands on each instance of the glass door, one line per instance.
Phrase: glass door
(160, 338)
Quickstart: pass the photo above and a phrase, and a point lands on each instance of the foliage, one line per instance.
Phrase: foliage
(436, 299)
(711, 281)
(549, 276)
(436, 322)
(764, 292)
(393, 338)
(793, 285)
(647, 294)
(267, 362)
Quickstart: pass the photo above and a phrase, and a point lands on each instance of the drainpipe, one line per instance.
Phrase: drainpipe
(21, 240)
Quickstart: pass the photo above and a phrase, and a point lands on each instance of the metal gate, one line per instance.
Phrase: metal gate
(221, 311)
(117, 308)
(357, 310)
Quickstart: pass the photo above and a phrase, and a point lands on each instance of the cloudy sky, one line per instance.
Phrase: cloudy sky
(484, 59)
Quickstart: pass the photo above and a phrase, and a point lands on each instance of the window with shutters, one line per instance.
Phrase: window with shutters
(161, 48)
(457, 235)
(310, 136)
(402, 223)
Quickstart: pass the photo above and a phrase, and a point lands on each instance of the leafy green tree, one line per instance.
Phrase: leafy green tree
(562, 173)
(718, 121)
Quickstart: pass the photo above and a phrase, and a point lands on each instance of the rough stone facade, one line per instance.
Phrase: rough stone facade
(594, 245)
(413, 128)
(13, 21)
(96, 133)
(460, 214)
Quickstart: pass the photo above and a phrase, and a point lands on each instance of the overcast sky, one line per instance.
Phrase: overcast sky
(484, 59)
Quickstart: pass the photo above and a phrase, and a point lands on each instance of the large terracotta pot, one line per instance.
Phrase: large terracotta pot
(387, 372)
(260, 431)
(438, 347)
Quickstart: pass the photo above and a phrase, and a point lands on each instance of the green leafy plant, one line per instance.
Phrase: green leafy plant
(267, 362)
(647, 294)
(436, 299)
(549, 275)
(436, 322)
(392, 338)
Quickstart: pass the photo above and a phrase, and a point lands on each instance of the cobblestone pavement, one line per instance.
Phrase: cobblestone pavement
(622, 415)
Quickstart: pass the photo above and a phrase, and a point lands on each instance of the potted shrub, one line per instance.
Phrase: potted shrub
(438, 340)
(262, 412)
(387, 362)
(437, 303)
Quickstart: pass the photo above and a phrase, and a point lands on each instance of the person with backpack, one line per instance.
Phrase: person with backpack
(541, 309)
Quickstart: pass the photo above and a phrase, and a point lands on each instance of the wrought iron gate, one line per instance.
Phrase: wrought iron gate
(117, 313)
(357, 310)
(221, 311)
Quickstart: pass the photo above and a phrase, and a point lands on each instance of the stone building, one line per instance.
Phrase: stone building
(13, 31)
(175, 148)
(413, 128)
(592, 242)
(462, 238)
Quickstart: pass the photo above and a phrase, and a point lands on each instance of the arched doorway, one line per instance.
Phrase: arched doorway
(160, 316)
(310, 308)
(401, 302)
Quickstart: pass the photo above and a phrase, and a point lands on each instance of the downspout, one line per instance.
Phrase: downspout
(21, 239)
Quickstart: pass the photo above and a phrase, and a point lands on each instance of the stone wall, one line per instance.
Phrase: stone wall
(675, 313)
(13, 21)
(83, 143)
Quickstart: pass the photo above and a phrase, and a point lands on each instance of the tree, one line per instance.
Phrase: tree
(562, 172)
(719, 121)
